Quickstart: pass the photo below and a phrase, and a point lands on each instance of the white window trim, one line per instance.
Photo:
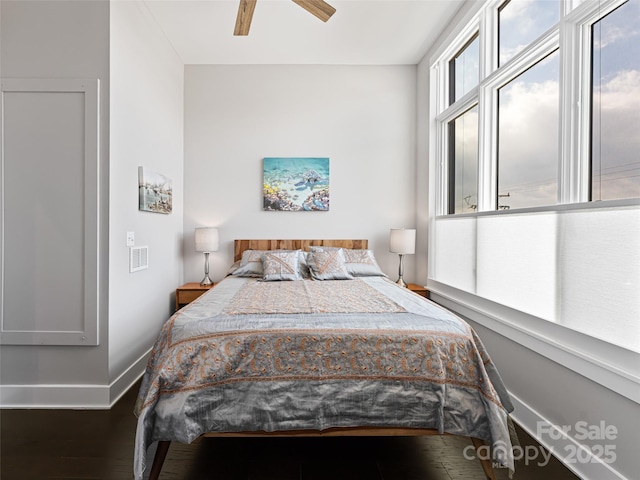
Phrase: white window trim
(609, 365)
(442, 70)
(575, 98)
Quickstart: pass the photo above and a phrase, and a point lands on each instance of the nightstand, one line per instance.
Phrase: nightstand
(419, 289)
(188, 292)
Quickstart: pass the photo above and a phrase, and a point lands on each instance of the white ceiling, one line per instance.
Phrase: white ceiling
(361, 32)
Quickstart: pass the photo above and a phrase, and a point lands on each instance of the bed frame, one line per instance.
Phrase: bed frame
(239, 246)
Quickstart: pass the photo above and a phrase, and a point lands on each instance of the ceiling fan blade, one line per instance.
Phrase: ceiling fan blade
(319, 8)
(245, 14)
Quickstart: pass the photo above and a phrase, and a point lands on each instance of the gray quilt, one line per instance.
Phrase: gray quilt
(276, 356)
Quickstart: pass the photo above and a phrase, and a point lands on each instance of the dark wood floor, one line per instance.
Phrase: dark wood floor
(88, 445)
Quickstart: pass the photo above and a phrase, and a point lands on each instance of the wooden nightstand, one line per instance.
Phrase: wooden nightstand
(419, 289)
(188, 292)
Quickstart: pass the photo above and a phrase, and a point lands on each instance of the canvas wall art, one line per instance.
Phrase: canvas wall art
(155, 191)
(296, 184)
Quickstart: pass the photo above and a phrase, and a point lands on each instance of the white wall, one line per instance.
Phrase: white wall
(422, 181)
(146, 130)
(60, 40)
(555, 374)
(120, 45)
(362, 117)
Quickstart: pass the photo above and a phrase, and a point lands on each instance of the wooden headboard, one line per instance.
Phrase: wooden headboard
(240, 246)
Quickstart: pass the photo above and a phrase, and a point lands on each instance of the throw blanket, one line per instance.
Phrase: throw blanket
(329, 296)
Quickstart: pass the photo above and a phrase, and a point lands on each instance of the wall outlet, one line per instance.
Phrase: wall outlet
(131, 239)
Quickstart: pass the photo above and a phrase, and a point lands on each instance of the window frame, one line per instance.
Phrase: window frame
(572, 37)
(576, 100)
(450, 162)
(451, 67)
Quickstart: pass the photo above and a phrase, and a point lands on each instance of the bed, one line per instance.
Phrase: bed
(309, 338)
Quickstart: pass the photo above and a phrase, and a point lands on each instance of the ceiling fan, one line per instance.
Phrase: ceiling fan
(319, 8)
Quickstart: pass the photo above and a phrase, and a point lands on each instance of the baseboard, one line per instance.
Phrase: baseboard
(81, 397)
(578, 458)
(131, 375)
(55, 396)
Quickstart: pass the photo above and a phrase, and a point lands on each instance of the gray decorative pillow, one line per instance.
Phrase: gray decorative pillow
(328, 265)
(233, 268)
(281, 265)
(359, 262)
(362, 263)
(250, 264)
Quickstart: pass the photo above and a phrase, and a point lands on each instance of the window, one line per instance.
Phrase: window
(528, 113)
(615, 108)
(521, 105)
(464, 70)
(521, 22)
(554, 118)
(463, 163)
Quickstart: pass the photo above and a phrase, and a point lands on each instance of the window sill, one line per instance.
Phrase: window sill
(613, 367)
(613, 204)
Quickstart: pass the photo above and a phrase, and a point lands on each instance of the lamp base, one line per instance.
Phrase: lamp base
(401, 282)
(206, 281)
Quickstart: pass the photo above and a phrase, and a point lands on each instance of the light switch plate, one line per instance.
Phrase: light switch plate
(131, 239)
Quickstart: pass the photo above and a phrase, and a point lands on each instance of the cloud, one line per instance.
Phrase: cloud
(521, 22)
(528, 143)
(507, 53)
(621, 92)
(620, 25)
(528, 140)
(517, 9)
(616, 127)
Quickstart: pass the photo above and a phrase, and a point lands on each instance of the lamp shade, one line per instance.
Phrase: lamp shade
(402, 240)
(206, 239)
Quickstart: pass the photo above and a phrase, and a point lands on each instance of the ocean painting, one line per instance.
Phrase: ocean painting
(155, 191)
(296, 184)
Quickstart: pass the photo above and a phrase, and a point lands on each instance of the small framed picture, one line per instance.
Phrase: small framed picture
(154, 191)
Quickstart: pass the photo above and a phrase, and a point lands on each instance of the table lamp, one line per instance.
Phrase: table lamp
(207, 241)
(403, 242)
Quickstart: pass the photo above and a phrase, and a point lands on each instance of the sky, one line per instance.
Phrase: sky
(522, 21)
(528, 147)
(616, 117)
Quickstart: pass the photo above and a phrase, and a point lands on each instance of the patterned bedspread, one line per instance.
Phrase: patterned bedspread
(269, 356)
(329, 296)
